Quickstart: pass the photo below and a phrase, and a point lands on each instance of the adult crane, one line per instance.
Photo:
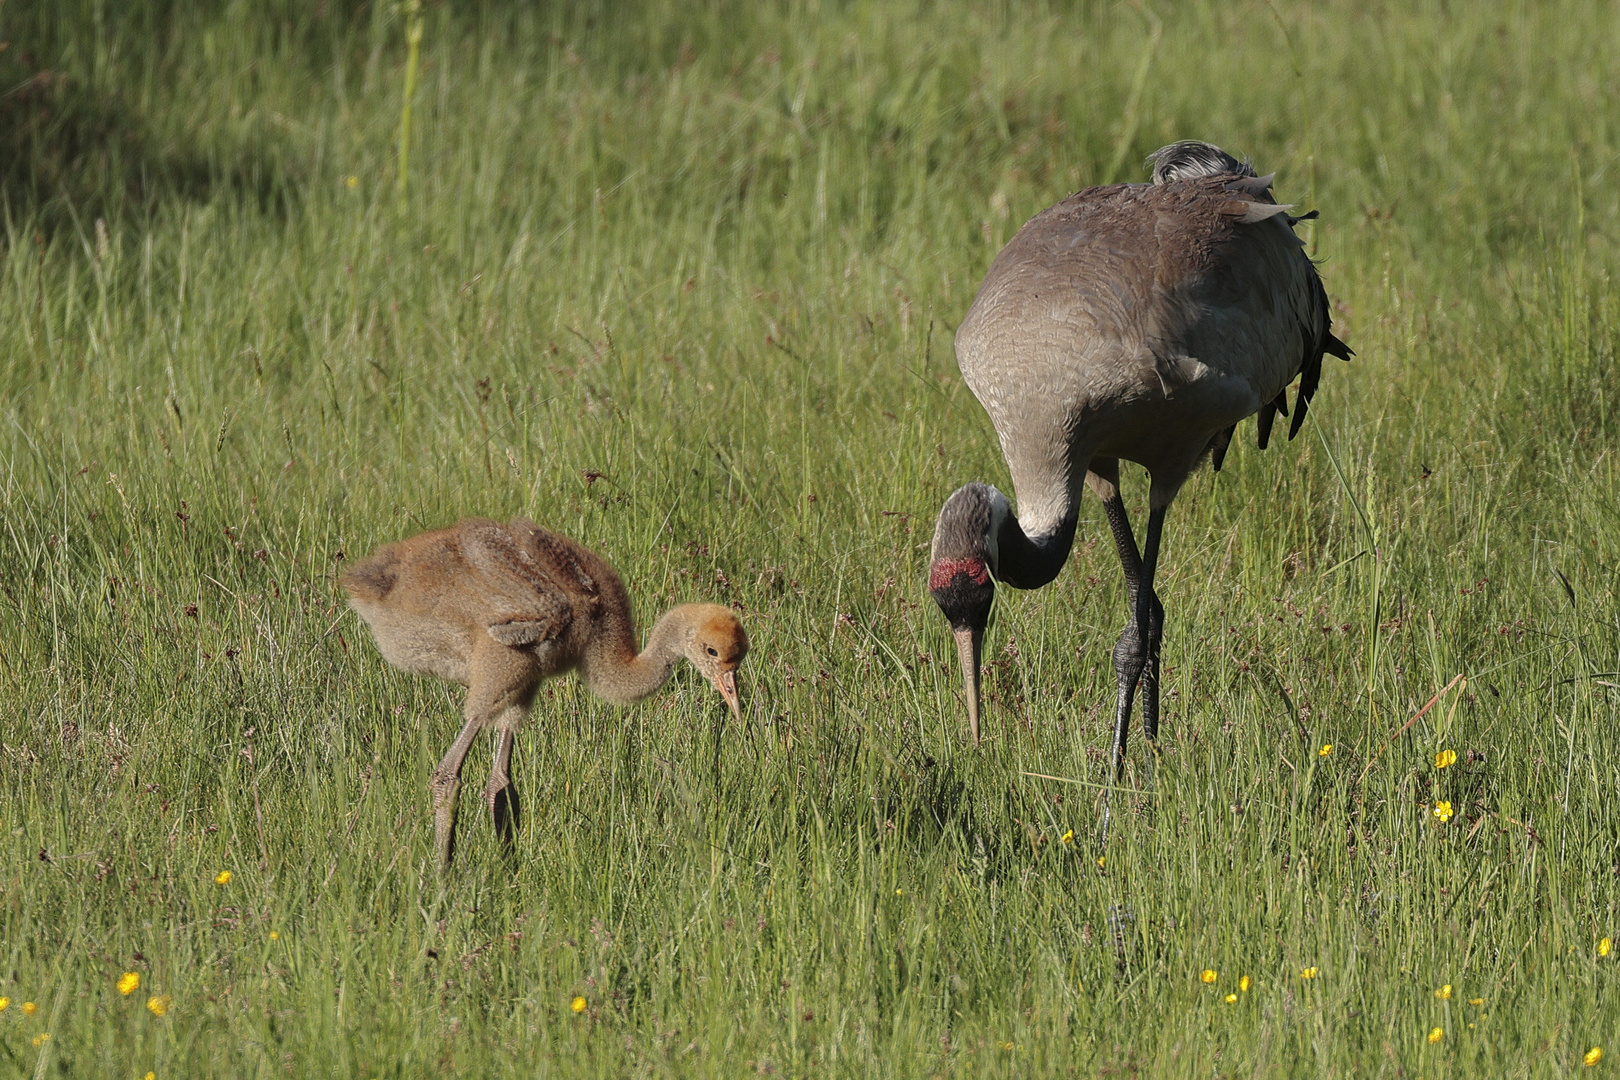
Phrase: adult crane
(1140, 322)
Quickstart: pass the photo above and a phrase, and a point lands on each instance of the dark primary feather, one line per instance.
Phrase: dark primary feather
(1310, 369)
(1218, 445)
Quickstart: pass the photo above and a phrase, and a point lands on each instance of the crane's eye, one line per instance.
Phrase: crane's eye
(712, 650)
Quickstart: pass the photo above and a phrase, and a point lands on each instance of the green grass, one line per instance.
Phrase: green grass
(680, 280)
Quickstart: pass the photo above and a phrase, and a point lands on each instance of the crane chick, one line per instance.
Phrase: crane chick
(498, 608)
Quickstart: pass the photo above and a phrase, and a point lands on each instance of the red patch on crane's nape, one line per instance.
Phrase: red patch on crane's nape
(943, 572)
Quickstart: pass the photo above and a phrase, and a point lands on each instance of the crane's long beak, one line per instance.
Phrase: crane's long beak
(726, 683)
(968, 639)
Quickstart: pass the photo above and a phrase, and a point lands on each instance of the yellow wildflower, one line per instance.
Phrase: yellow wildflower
(1443, 758)
(351, 182)
(1327, 748)
(1230, 998)
(5, 1003)
(1005, 1045)
(158, 1004)
(899, 892)
(222, 878)
(42, 1038)
(1444, 993)
(1101, 859)
(1068, 837)
(1442, 811)
(29, 1008)
(274, 936)
(1208, 975)
(128, 983)
(1437, 1034)
(1243, 984)
(1603, 947)
(578, 1004)
(1593, 1056)
(151, 1076)
(1308, 973)
(1476, 1001)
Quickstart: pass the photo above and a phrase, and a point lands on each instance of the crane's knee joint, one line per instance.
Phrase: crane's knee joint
(1130, 655)
(444, 787)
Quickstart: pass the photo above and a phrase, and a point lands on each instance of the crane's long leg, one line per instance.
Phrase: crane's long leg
(500, 687)
(446, 787)
(1153, 619)
(1137, 651)
(501, 794)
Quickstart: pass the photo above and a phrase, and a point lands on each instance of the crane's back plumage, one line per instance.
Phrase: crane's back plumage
(430, 597)
(1143, 321)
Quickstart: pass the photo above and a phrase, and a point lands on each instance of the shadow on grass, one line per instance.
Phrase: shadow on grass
(71, 153)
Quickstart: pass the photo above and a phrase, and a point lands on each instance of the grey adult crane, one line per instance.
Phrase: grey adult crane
(1134, 321)
(498, 608)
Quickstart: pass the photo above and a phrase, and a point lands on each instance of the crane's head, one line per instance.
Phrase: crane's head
(1190, 159)
(714, 641)
(961, 575)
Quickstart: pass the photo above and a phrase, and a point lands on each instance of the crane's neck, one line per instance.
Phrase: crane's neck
(613, 669)
(979, 537)
(1028, 562)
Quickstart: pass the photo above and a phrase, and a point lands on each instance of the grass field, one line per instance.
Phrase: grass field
(680, 280)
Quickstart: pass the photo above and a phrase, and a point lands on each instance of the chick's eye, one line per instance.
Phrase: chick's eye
(712, 650)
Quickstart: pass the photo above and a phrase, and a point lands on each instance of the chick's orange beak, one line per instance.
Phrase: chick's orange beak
(726, 683)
